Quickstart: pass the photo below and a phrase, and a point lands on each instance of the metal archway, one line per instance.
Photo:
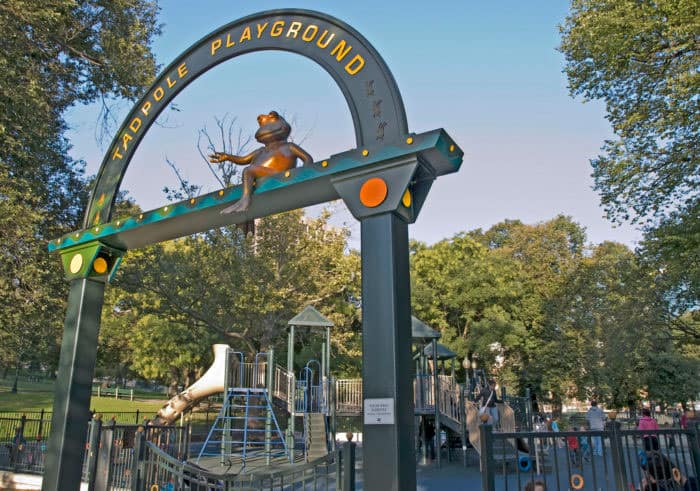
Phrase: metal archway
(364, 79)
(398, 166)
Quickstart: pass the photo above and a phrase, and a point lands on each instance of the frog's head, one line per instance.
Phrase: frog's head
(273, 128)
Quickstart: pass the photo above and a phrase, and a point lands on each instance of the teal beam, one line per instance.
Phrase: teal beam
(300, 187)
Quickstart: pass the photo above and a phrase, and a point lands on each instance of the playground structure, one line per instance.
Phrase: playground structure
(260, 395)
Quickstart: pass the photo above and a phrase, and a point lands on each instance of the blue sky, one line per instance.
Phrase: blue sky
(487, 72)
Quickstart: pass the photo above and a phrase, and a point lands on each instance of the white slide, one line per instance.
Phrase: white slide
(210, 383)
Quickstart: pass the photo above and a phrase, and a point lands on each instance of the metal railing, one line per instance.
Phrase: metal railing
(348, 396)
(156, 469)
(612, 459)
(26, 450)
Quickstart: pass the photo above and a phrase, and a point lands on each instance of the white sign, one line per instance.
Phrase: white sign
(379, 411)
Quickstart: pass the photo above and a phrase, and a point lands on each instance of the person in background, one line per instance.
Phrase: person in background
(596, 422)
(574, 449)
(684, 420)
(646, 422)
(489, 398)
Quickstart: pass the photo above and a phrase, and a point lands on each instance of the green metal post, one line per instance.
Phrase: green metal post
(436, 402)
(292, 394)
(93, 450)
(463, 424)
(487, 467)
(693, 434)
(268, 419)
(137, 469)
(328, 352)
(389, 452)
(71, 408)
(617, 456)
(226, 445)
(333, 407)
(348, 466)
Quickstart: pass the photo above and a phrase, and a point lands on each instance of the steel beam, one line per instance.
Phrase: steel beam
(387, 365)
(71, 407)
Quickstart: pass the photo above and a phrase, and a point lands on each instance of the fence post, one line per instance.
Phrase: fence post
(40, 433)
(17, 444)
(131, 395)
(116, 392)
(94, 430)
(137, 417)
(137, 469)
(617, 454)
(348, 460)
(463, 424)
(694, 444)
(528, 408)
(488, 482)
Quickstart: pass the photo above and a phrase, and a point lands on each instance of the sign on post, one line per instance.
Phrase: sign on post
(379, 411)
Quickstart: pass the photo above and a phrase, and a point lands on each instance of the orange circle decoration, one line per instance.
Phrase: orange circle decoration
(99, 265)
(406, 199)
(577, 481)
(676, 475)
(373, 192)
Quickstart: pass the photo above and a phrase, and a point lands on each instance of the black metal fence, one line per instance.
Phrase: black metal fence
(108, 457)
(137, 457)
(614, 459)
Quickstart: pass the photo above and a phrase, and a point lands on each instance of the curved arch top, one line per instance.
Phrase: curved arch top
(365, 80)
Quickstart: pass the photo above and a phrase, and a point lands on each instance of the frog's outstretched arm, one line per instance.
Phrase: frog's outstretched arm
(217, 157)
(302, 154)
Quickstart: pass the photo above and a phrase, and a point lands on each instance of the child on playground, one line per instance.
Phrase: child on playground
(646, 422)
(585, 448)
(574, 449)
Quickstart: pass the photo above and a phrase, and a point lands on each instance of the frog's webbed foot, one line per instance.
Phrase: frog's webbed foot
(238, 207)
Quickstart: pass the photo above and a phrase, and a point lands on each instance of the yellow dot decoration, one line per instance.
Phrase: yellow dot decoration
(100, 265)
(165, 208)
(192, 201)
(141, 216)
(97, 229)
(76, 263)
(406, 199)
(221, 193)
(287, 174)
(77, 235)
(452, 148)
(119, 223)
(409, 140)
(324, 163)
(365, 152)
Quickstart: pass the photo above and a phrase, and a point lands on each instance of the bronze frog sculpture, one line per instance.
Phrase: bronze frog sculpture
(278, 155)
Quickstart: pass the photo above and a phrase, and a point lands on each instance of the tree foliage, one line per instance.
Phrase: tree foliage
(642, 59)
(538, 308)
(224, 286)
(54, 54)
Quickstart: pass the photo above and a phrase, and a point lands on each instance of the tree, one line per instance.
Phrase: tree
(54, 54)
(672, 251)
(28, 303)
(239, 290)
(641, 58)
(604, 329)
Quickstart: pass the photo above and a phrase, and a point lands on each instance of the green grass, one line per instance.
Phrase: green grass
(35, 396)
